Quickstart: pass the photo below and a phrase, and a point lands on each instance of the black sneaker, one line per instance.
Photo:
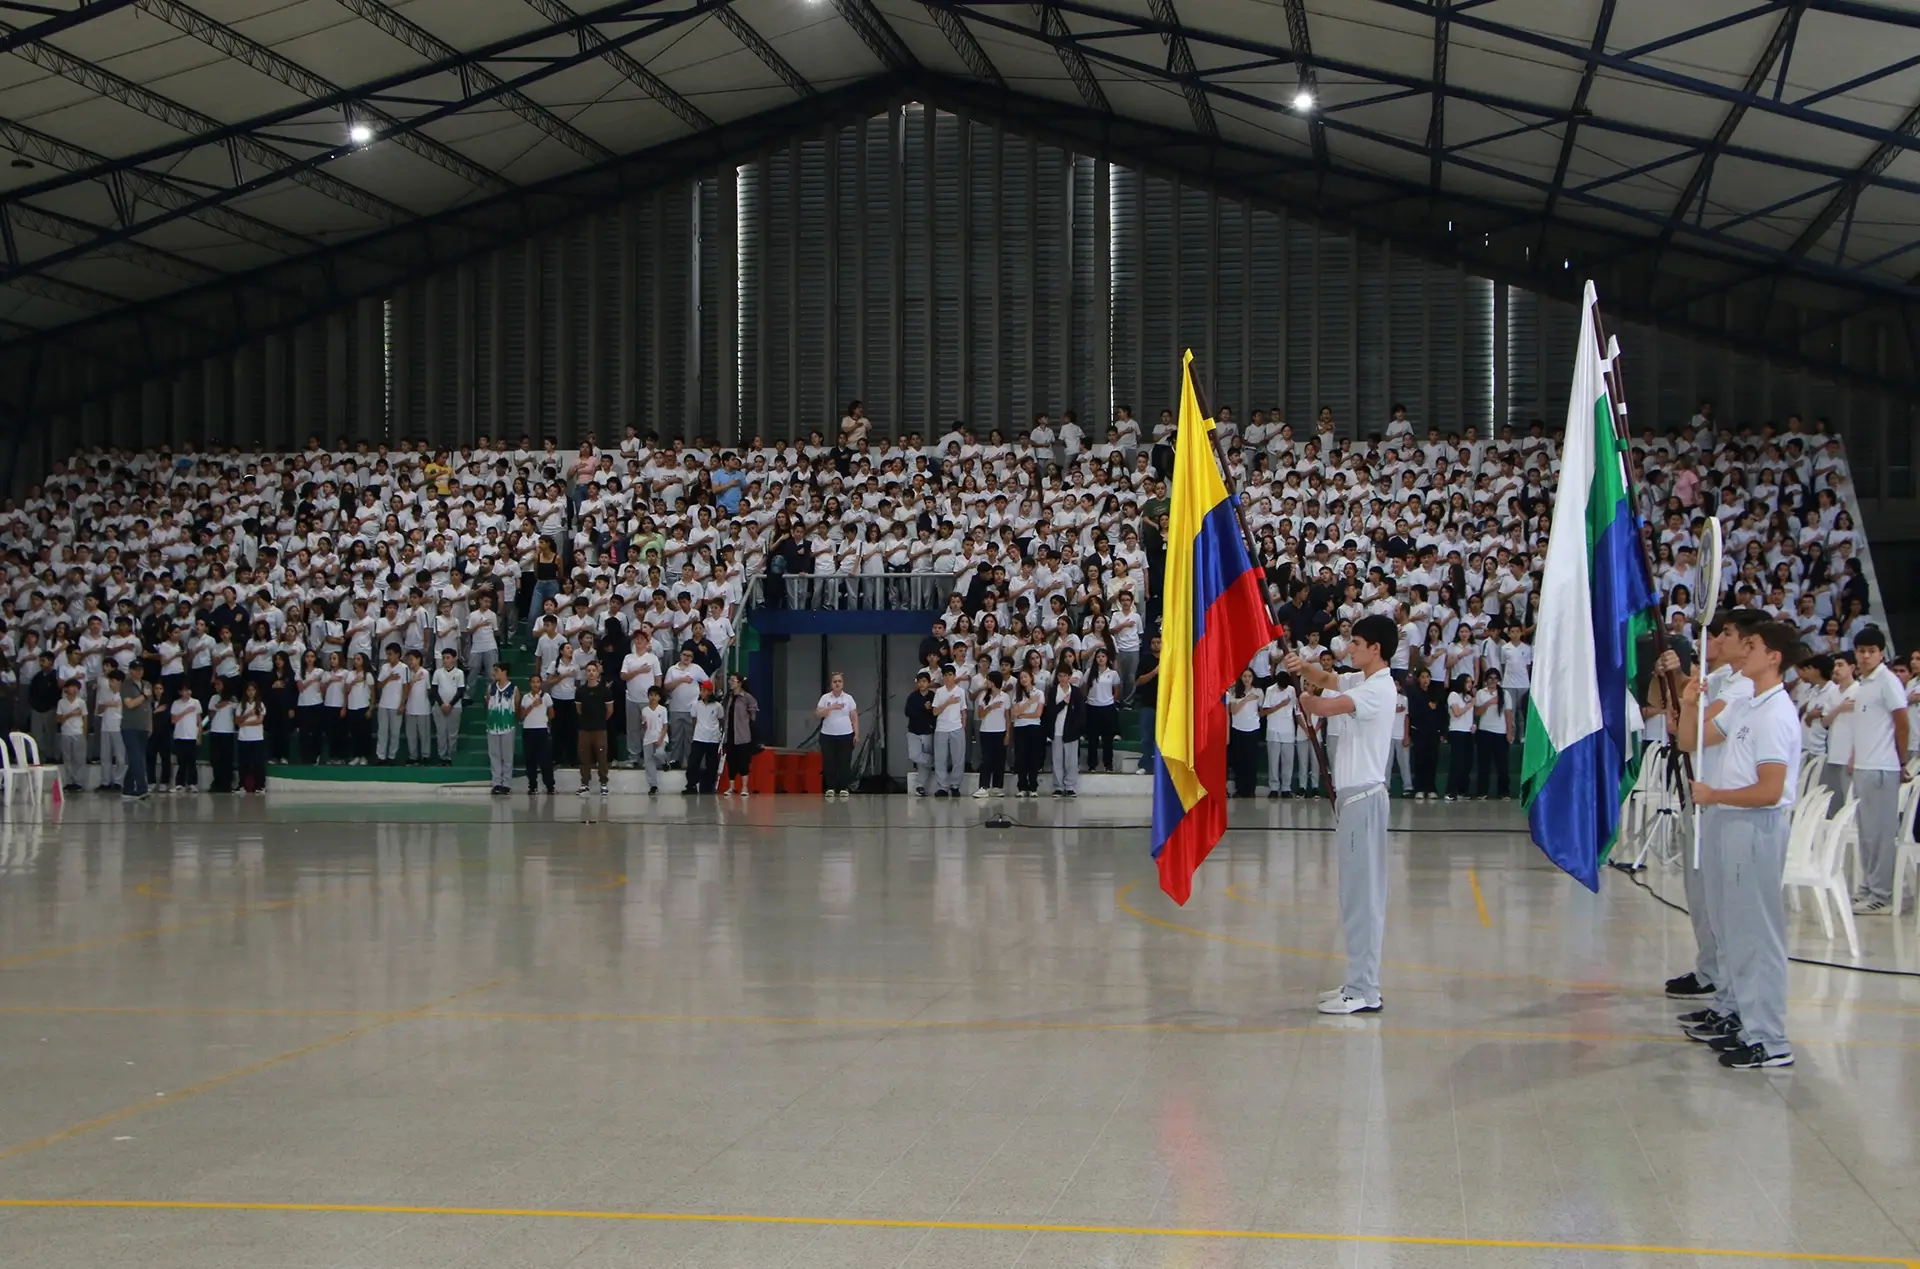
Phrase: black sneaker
(1726, 1044)
(1689, 987)
(1695, 1018)
(1273, 795)
(1714, 1028)
(1755, 1057)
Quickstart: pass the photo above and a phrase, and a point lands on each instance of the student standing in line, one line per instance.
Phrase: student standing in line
(1276, 706)
(392, 697)
(1839, 723)
(1880, 736)
(185, 714)
(839, 716)
(251, 739)
(1403, 739)
(1243, 735)
(419, 710)
(1426, 719)
(703, 753)
(502, 698)
(70, 716)
(1460, 743)
(113, 746)
(1365, 700)
(992, 707)
(311, 704)
(1103, 710)
(682, 682)
(653, 738)
(639, 671)
(360, 711)
(1029, 738)
(918, 708)
(949, 707)
(449, 688)
(222, 712)
(1496, 734)
(535, 713)
(742, 711)
(1063, 721)
(1746, 820)
(136, 729)
(593, 714)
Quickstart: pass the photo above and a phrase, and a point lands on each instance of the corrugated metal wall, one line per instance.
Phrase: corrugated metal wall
(938, 269)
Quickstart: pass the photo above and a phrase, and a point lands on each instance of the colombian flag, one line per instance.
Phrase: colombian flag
(1213, 619)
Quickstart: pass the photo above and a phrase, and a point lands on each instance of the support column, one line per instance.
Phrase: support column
(727, 403)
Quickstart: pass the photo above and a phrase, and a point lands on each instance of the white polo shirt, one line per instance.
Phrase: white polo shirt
(1366, 742)
(1758, 729)
(1874, 704)
(949, 708)
(841, 709)
(1729, 685)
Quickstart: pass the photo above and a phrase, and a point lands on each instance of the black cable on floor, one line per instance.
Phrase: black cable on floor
(1797, 960)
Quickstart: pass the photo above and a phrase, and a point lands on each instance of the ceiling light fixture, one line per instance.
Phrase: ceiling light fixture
(1303, 101)
(360, 134)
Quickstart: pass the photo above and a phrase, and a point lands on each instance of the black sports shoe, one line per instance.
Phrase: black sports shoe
(1726, 1044)
(1695, 1018)
(1721, 1024)
(1755, 1057)
(1688, 987)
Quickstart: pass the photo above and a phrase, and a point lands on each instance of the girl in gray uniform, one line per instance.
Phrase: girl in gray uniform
(1747, 813)
(1366, 702)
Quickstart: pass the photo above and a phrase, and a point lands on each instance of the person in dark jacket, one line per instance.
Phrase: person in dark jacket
(743, 712)
(1064, 718)
(793, 557)
(919, 710)
(1426, 723)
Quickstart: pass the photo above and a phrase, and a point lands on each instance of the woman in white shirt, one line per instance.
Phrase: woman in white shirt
(250, 730)
(359, 718)
(1029, 744)
(185, 714)
(1461, 754)
(311, 705)
(703, 756)
(333, 700)
(1495, 725)
(1243, 740)
(1103, 710)
(222, 713)
(992, 707)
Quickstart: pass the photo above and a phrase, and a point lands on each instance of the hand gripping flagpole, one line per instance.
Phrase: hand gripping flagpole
(1246, 538)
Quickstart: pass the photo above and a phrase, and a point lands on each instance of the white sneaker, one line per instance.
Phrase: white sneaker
(999, 793)
(1872, 907)
(744, 790)
(983, 793)
(1344, 1001)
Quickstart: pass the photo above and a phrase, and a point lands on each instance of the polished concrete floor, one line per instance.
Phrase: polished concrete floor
(461, 1032)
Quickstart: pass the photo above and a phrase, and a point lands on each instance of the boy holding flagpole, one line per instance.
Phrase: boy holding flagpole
(1360, 766)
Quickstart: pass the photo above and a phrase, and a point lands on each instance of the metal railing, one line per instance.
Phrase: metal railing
(823, 592)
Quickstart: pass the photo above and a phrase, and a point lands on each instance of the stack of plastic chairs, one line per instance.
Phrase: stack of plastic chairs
(1816, 861)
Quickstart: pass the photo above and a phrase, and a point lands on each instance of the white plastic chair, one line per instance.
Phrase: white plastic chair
(1816, 865)
(25, 765)
(1809, 772)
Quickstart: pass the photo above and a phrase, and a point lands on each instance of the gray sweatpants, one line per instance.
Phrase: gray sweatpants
(949, 760)
(419, 733)
(1878, 793)
(1128, 664)
(113, 759)
(446, 731)
(1066, 765)
(73, 756)
(1833, 775)
(387, 736)
(679, 735)
(1282, 775)
(636, 731)
(500, 757)
(1360, 840)
(1403, 763)
(1751, 915)
(1700, 883)
(480, 665)
(920, 762)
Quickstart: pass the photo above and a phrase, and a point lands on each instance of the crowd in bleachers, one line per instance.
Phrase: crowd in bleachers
(326, 605)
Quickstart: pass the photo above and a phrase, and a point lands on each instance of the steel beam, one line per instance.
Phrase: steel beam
(428, 45)
(1180, 64)
(1054, 30)
(1309, 81)
(80, 15)
(100, 80)
(975, 57)
(1696, 186)
(877, 34)
(636, 74)
(1437, 112)
(225, 39)
(1601, 26)
(1843, 200)
(769, 56)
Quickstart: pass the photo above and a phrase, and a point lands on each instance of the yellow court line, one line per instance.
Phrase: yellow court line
(988, 1227)
(154, 931)
(1479, 900)
(240, 1072)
